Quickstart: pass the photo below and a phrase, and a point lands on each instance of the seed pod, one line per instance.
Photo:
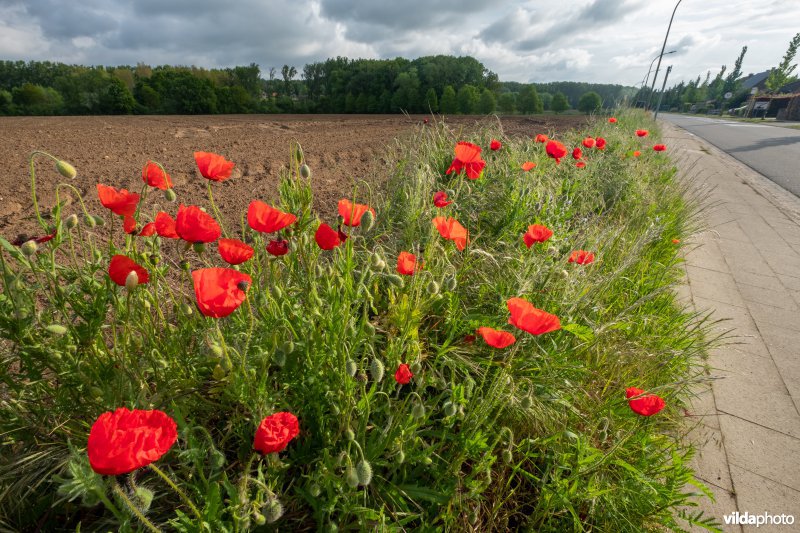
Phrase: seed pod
(185, 266)
(314, 490)
(508, 457)
(450, 283)
(364, 472)
(433, 288)
(170, 196)
(132, 281)
(450, 409)
(89, 221)
(143, 497)
(56, 329)
(401, 457)
(349, 434)
(259, 519)
(395, 280)
(418, 411)
(376, 370)
(273, 510)
(68, 171)
(351, 477)
(218, 373)
(71, 221)
(216, 349)
(527, 402)
(376, 260)
(367, 220)
(351, 367)
(29, 248)
(305, 171)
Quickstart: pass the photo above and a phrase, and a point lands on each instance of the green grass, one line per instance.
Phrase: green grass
(537, 436)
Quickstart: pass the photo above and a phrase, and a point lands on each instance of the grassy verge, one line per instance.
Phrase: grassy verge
(536, 436)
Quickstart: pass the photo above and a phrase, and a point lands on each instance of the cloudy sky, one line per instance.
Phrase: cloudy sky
(607, 41)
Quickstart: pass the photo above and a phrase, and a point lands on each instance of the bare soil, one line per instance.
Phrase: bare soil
(113, 150)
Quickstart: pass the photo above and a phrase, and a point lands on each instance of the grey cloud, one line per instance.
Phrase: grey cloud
(66, 20)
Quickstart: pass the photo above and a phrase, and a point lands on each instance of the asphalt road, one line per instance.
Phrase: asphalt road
(770, 150)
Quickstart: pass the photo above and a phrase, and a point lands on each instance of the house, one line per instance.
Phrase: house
(758, 81)
(789, 88)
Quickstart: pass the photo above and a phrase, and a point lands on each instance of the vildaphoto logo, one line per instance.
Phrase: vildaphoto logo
(764, 519)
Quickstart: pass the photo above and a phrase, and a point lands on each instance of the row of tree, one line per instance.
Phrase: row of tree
(443, 84)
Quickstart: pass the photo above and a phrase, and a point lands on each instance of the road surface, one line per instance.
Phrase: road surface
(770, 150)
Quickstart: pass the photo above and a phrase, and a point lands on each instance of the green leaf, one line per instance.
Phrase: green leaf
(421, 493)
(584, 333)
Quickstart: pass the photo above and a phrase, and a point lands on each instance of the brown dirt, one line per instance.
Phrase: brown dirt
(113, 150)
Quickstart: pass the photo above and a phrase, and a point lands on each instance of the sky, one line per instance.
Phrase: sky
(603, 41)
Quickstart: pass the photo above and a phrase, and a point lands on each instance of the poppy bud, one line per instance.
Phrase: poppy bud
(143, 497)
(170, 196)
(401, 457)
(259, 519)
(56, 329)
(97, 392)
(332, 528)
(71, 221)
(279, 357)
(218, 373)
(367, 220)
(97, 255)
(297, 153)
(349, 435)
(376, 370)
(89, 221)
(132, 280)
(288, 346)
(418, 411)
(395, 280)
(305, 171)
(433, 288)
(273, 510)
(351, 367)
(29, 248)
(66, 170)
(199, 247)
(186, 309)
(99, 221)
(416, 368)
(527, 402)
(351, 477)
(364, 472)
(217, 460)
(450, 283)
(314, 491)
(362, 377)
(508, 457)
(243, 286)
(450, 409)
(564, 273)
(552, 250)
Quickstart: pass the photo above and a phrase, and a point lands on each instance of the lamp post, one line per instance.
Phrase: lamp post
(655, 76)
(660, 96)
(647, 78)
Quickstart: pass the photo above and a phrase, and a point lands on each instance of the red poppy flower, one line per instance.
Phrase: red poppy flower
(213, 166)
(612, 120)
(528, 165)
(468, 159)
(425, 120)
(495, 145)
(327, 238)
(165, 226)
(120, 202)
(440, 199)
(129, 225)
(342, 234)
(406, 264)
(119, 268)
(195, 225)
(636, 153)
(582, 257)
(148, 230)
(580, 164)
(536, 233)
(155, 176)
(659, 147)
(577, 154)
(541, 138)
(352, 213)
(122, 441)
(600, 143)
(469, 339)
(22, 239)
(556, 150)
(278, 247)
(647, 405)
(642, 133)
(219, 291)
(403, 375)
(496, 338)
(234, 251)
(449, 228)
(528, 318)
(588, 142)
(275, 432)
(266, 219)
(676, 241)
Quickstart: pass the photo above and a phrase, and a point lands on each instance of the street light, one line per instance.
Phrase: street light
(655, 76)
(646, 78)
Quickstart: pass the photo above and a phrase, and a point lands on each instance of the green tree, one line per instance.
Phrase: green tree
(116, 98)
(468, 99)
(782, 74)
(5, 102)
(37, 100)
(507, 103)
(590, 102)
(431, 101)
(449, 104)
(559, 103)
(547, 101)
(487, 103)
(732, 80)
(528, 100)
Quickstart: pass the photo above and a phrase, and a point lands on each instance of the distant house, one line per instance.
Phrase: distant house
(758, 81)
(790, 88)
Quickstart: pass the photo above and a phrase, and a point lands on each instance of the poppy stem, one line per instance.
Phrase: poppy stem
(177, 489)
(109, 505)
(217, 214)
(33, 184)
(135, 510)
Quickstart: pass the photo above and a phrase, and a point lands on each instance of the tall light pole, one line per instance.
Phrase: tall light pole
(647, 78)
(655, 76)
(660, 96)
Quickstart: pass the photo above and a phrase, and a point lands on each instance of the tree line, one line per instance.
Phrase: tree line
(444, 84)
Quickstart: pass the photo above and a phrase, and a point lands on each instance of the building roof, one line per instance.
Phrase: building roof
(754, 80)
(793, 87)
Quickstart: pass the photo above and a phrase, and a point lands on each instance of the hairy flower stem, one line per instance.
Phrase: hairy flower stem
(217, 214)
(177, 490)
(133, 508)
(33, 184)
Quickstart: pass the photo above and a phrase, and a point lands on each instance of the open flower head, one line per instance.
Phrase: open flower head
(642, 133)
(495, 145)
(234, 251)
(644, 404)
(496, 338)
(612, 120)
(120, 202)
(556, 150)
(467, 159)
(195, 225)
(440, 199)
(278, 247)
(659, 147)
(600, 143)
(403, 374)
(123, 440)
(528, 165)
(213, 166)
(588, 142)
(155, 176)
(121, 265)
(406, 264)
(351, 213)
(267, 219)
(326, 237)
(581, 257)
(536, 233)
(219, 291)
(165, 226)
(541, 138)
(528, 318)
(449, 228)
(275, 432)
